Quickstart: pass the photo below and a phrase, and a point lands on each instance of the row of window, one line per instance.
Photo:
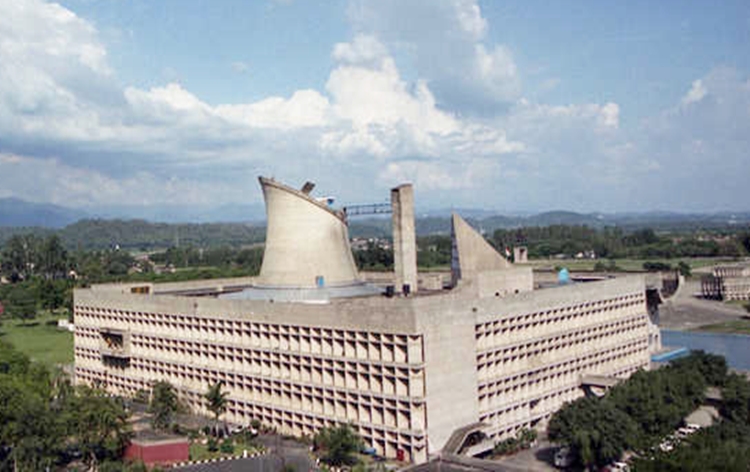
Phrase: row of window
(492, 398)
(562, 365)
(386, 440)
(235, 327)
(248, 385)
(591, 338)
(352, 344)
(558, 314)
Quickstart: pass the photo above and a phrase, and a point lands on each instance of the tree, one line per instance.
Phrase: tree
(98, 424)
(30, 429)
(712, 367)
(596, 431)
(736, 399)
(53, 258)
(339, 445)
(684, 269)
(216, 400)
(20, 255)
(20, 302)
(163, 404)
(53, 294)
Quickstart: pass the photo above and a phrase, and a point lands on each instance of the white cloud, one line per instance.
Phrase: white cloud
(51, 180)
(368, 129)
(497, 72)
(695, 94)
(240, 66)
(446, 41)
(367, 110)
(364, 50)
(433, 176)
(305, 108)
(610, 115)
(470, 18)
(33, 30)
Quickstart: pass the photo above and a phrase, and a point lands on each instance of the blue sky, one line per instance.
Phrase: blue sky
(511, 106)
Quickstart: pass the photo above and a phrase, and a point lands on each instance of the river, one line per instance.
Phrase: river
(734, 347)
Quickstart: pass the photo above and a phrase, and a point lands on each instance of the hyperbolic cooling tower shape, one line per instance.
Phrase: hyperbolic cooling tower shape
(307, 243)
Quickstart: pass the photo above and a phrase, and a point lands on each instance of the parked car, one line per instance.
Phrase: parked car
(617, 467)
(693, 427)
(563, 457)
(666, 445)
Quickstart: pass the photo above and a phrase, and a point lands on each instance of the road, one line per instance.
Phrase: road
(536, 459)
(686, 311)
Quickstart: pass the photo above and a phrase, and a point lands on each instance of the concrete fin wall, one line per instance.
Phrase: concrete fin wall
(472, 253)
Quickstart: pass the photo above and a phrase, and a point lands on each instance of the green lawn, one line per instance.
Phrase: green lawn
(40, 339)
(200, 451)
(733, 327)
(623, 264)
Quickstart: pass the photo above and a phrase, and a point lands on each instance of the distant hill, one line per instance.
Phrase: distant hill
(141, 234)
(78, 230)
(175, 213)
(15, 212)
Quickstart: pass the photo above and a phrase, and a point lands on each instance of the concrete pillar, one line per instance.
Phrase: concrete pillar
(404, 238)
(520, 254)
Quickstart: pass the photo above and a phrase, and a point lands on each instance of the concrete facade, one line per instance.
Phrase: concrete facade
(404, 238)
(730, 282)
(406, 372)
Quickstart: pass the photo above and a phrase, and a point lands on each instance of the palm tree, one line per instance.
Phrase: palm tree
(216, 400)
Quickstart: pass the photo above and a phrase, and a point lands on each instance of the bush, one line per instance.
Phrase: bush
(227, 447)
(212, 445)
(339, 445)
(657, 266)
(141, 396)
(523, 440)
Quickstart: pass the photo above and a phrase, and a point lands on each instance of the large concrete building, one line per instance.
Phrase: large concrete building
(727, 282)
(309, 344)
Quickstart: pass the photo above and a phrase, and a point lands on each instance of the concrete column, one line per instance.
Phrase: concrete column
(404, 238)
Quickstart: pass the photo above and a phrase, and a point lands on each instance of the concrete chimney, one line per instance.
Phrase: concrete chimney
(404, 239)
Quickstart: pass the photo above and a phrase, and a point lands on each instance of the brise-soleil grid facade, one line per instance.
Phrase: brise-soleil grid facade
(730, 282)
(405, 372)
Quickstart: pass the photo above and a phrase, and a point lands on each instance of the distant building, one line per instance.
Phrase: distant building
(416, 368)
(727, 282)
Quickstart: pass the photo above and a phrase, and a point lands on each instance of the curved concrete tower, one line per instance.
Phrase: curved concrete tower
(307, 243)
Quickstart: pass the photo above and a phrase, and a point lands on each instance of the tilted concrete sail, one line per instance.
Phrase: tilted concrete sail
(471, 252)
(477, 264)
(307, 243)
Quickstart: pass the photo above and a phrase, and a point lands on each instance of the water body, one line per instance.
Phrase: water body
(734, 347)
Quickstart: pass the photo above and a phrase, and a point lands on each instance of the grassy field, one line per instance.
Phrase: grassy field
(623, 264)
(730, 327)
(40, 339)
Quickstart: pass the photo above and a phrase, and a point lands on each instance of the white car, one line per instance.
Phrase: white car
(618, 467)
(666, 446)
(563, 457)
